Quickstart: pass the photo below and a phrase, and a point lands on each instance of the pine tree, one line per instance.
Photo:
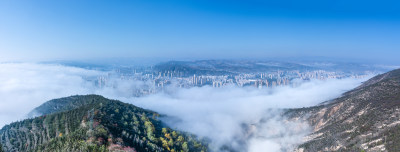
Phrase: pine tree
(185, 147)
(1, 148)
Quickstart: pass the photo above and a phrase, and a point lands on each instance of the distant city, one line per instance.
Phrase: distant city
(158, 77)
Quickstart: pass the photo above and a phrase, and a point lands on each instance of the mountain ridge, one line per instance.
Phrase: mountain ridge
(359, 120)
(97, 124)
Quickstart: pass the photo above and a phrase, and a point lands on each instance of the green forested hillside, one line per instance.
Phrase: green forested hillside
(64, 104)
(94, 123)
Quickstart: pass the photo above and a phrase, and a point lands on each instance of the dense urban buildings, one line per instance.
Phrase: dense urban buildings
(156, 81)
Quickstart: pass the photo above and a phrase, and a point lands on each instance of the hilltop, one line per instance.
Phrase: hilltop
(94, 123)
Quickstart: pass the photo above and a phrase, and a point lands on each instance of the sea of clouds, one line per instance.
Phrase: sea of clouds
(245, 119)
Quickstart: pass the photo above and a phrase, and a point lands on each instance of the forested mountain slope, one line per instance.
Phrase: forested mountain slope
(366, 118)
(94, 123)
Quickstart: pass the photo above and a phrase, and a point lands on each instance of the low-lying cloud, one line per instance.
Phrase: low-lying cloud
(25, 86)
(220, 114)
(246, 119)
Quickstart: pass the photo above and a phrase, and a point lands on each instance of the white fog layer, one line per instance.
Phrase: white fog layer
(218, 113)
(246, 118)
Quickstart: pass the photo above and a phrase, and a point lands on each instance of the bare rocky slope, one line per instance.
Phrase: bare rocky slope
(364, 119)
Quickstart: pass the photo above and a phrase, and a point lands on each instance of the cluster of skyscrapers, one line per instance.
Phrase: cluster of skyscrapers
(155, 81)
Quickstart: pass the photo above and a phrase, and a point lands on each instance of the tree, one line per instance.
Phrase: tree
(180, 139)
(174, 134)
(143, 117)
(164, 143)
(164, 130)
(150, 130)
(135, 120)
(171, 142)
(1, 148)
(168, 136)
(185, 147)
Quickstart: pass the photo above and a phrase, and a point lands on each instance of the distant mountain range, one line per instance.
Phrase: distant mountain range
(221, 67)
(225, 67)
(367, 117)
(94, 123)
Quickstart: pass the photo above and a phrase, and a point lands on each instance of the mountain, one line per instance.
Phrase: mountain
(364, 119)
(94, 123)
(228, 67)
(224, 67)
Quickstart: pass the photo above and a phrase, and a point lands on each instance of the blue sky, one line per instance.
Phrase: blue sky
(206, 29)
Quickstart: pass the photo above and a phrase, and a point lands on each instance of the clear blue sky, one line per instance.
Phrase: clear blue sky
(183, 29)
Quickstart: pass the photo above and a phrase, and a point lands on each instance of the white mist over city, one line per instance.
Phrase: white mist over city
(247, 118)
